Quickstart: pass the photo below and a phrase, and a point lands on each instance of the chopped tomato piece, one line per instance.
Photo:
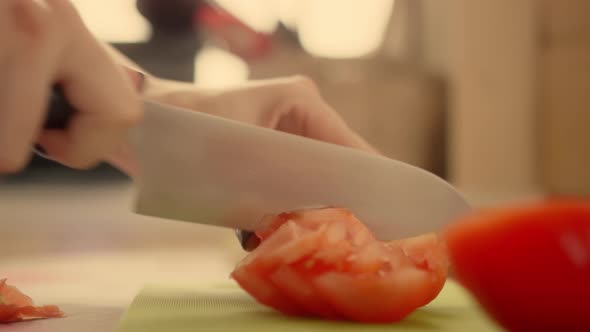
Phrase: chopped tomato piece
(326, 263)
(16, 306)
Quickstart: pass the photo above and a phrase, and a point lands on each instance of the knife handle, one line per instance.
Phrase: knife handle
(248, 240)
(60, 111)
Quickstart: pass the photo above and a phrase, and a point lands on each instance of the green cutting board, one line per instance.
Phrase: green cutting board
(225, 307)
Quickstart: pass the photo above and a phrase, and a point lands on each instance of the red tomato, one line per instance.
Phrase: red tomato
(16, 306)
(326, 263)
(528, 266)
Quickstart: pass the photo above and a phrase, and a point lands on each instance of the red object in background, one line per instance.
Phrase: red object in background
(529, 267)
(16, 306)
(326, 263)
(236, 36)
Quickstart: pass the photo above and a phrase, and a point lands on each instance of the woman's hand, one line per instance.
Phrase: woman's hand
(43, 42)
(290, 104)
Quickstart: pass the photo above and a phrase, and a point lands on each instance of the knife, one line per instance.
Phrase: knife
(206, 169)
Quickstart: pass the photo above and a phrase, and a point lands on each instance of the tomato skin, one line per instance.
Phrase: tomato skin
(528, 266)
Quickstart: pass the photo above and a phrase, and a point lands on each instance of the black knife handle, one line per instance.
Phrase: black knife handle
(60, 111)
(248, 240)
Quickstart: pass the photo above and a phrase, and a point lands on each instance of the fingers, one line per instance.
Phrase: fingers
(105, 115)
(43, 42)
(25, 66)
(315, 119)
(321, 122)
(123, 158)
(105, 97)
(308, 114)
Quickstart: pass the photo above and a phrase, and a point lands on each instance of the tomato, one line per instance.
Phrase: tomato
(528, 266)
(16, 306)
(326, 263)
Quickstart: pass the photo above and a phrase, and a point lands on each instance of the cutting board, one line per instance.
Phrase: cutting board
(225, 307)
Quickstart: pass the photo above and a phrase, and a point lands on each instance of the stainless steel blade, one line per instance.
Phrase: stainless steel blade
(205, 169)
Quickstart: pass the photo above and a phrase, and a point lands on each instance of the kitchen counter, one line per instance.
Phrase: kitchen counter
(76, 244)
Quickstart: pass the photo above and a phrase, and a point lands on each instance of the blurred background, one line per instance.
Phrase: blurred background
(489, 94)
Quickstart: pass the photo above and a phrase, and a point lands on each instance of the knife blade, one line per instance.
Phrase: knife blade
(210, 170)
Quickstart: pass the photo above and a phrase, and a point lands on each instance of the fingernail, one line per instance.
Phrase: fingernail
(248, 240)
(40, 151)
(137, 77)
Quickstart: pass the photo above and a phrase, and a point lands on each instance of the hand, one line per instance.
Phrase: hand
(43, 42)
(291, 104)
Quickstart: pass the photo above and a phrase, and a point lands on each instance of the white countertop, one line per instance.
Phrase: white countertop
(79, 246)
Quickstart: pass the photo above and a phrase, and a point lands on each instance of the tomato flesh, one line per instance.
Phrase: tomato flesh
(326, 263)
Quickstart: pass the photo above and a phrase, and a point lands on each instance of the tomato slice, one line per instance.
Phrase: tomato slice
(528, 266)
(265, 292)
(374, 298)
(16, 306)
(326, 263)
(299, 288)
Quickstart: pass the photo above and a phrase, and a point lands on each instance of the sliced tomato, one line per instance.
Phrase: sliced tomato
(16, 306)
(265, 292)
(375, 298)
(326, 263)
(528, 266)
(299, 289)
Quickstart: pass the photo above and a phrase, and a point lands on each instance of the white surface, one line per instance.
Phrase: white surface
(79, 247)
(114, 20)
